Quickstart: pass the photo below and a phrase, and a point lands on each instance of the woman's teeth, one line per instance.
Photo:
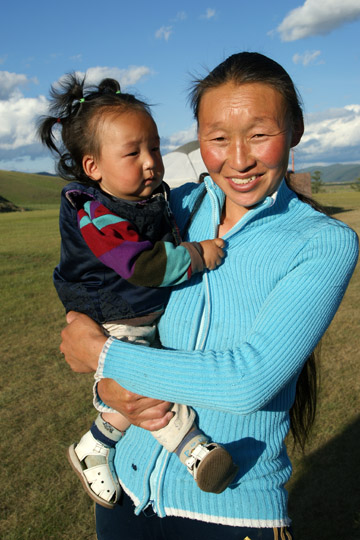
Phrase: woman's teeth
(242, 181)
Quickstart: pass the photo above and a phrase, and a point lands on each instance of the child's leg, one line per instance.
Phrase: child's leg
(209, 463)
(116, 419)
(109, 428)
(92, 458)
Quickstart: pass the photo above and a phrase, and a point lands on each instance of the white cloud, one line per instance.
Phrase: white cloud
(179, 138)
(208, 14)
(308, 57)
(164, 32)
(126, 77)
(332, 136)
(18, 117)
(317, 17)
(10, 82)
(180, 16)
(18, 124)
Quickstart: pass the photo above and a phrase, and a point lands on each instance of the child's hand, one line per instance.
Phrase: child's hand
(213, 252)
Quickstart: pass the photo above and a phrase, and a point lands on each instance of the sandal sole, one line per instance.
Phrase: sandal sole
(78, 469)
(216, 472)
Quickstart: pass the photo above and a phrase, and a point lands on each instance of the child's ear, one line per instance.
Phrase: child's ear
(91, 168)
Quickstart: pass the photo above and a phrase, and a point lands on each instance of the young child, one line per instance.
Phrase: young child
(120, 254)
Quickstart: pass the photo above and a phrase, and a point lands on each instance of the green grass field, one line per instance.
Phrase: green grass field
(45, 406)
(30, 191)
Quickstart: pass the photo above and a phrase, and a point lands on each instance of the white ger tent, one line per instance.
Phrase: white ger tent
(184, 164)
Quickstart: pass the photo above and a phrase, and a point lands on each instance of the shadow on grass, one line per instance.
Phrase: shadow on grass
(325, 502)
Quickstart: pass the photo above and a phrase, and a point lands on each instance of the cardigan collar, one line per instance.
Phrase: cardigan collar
(276, 203)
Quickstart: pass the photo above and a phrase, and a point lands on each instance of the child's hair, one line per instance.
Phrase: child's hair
(77, 109)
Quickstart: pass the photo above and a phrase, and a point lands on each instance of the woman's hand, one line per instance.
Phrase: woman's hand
(82, 342)
(141, 411)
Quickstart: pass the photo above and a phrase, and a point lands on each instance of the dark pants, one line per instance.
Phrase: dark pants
(122, 524)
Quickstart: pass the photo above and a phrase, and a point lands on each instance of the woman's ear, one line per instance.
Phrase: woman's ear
(297, 133)
(91, 168)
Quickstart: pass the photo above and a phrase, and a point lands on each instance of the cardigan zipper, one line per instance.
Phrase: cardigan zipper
(205, 315)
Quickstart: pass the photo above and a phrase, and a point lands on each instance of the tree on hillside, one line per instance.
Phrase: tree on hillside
(356, 185)
(316, 182)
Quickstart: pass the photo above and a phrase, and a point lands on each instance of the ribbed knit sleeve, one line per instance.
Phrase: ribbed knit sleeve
(289, 321)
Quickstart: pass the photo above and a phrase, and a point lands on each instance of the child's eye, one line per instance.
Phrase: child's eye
(135, 153)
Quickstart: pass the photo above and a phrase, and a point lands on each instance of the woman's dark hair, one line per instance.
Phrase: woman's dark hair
(78, 109)
(252, 67)
(249, 67)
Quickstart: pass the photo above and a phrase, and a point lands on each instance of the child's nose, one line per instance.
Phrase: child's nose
(149, 162)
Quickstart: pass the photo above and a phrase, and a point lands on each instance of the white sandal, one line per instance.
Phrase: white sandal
(99, 480)
(212, 467)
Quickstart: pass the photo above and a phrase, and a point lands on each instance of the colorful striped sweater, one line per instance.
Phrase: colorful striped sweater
(113, 251)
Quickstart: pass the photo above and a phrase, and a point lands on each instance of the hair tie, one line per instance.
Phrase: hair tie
(58, 120)
(118, 92)
(81, 100)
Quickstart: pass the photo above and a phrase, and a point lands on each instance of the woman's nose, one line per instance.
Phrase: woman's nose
(240, 157)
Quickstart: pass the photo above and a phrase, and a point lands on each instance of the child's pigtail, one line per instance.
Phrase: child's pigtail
(67, 96)
(45, 132)
(66, 99)
(109, 86)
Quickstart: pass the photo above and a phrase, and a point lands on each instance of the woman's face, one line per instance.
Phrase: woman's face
(245, 137)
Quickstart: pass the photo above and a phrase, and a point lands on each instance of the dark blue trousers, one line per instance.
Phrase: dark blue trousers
(122, 524)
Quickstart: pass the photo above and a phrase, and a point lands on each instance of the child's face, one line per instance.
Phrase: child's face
(130, 164)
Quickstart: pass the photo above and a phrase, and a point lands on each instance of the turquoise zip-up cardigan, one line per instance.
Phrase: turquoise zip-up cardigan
(235, 340)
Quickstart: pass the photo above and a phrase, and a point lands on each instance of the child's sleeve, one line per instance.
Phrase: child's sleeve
(118, 245)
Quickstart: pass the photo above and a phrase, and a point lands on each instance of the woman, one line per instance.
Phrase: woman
(236, 340)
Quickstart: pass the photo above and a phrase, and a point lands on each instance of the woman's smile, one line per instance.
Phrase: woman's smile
(244, 184)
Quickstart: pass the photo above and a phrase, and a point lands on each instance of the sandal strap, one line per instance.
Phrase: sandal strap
(89, 446)
(101, 481)
(197, 455)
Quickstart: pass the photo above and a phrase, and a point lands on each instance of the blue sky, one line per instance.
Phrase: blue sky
(155, 48)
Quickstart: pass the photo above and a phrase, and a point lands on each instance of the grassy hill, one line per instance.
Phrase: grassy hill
(336, 173)
(30, 191)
